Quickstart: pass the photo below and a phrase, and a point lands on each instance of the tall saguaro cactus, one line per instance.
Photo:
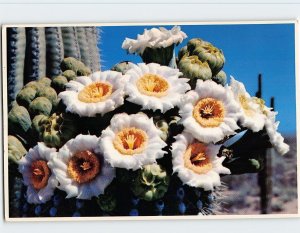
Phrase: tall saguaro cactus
(71, 46)
(93, 37)
(36, 52)
(55, 50)
(16, 44)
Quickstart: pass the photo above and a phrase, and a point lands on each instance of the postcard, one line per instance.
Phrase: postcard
(150, 121)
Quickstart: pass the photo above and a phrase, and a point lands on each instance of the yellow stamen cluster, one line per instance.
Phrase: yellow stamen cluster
(152, 85)
(83, 166)
(40, 174)
(209, 112)
(130, 141)
(196, 159)
(95, 92)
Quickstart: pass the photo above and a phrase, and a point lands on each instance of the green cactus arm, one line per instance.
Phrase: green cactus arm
(83, 45)
(71, 46)
(54, 50)
(16, 45)
(93, 38)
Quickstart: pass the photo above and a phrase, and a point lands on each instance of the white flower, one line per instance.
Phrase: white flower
(37, 175)
(99, 93)
(131, 141)
(154, 38)
(80, 168)
(275, 137)
(252, 117)
(155, 87)
(209, 112)
(196, 163)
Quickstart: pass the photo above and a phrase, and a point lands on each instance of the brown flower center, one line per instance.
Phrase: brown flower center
(130, 141)
(152, 85)
(40, 174)
(196, 159)
(95, 92)
(209, 112)
(83, 166)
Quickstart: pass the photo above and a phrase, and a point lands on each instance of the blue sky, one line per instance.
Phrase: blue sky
(268, 49)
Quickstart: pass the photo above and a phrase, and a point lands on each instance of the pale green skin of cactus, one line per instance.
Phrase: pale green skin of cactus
(56, 130)
(40, 105)
(220, 78)
(16, 150)
(45, 81)
(50, 94)
(163, 126)
(93, 36)
(162, 56)
(59, 82)
(38, 124)
(107, 202)
(78, 67)
(69, 74)
(26, 95)
(19, 119)
(122, 67)
(193, 68)
(151, 183)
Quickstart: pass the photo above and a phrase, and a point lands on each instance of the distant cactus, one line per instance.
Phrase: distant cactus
(71, 46)
(92, 35)
(55, 51)
(83, 45)
(16, 44)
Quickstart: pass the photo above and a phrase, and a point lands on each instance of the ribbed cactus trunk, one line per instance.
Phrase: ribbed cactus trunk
(83, 45)
(93, 36)
(55, 51)
(42, 52)
(71, 46)
(16, 45)
(31, 69)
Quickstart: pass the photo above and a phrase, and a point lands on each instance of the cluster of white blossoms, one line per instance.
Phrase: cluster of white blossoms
(210, 113)
(154, 38)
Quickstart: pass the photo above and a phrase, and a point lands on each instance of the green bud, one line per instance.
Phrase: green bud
(34, 84)
(193, 68)
(69, 74)
(45, 81)
(25, 96)
(19, 120)
(58, 83)
(58, 129)
(150, 183)
(70, 63)
(123, 67)
(220, 78)
(182, 52)
(40, 105)
(38, 123)
(50, 94)
(16, 150)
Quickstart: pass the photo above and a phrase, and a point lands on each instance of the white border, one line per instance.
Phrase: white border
(126, 218)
